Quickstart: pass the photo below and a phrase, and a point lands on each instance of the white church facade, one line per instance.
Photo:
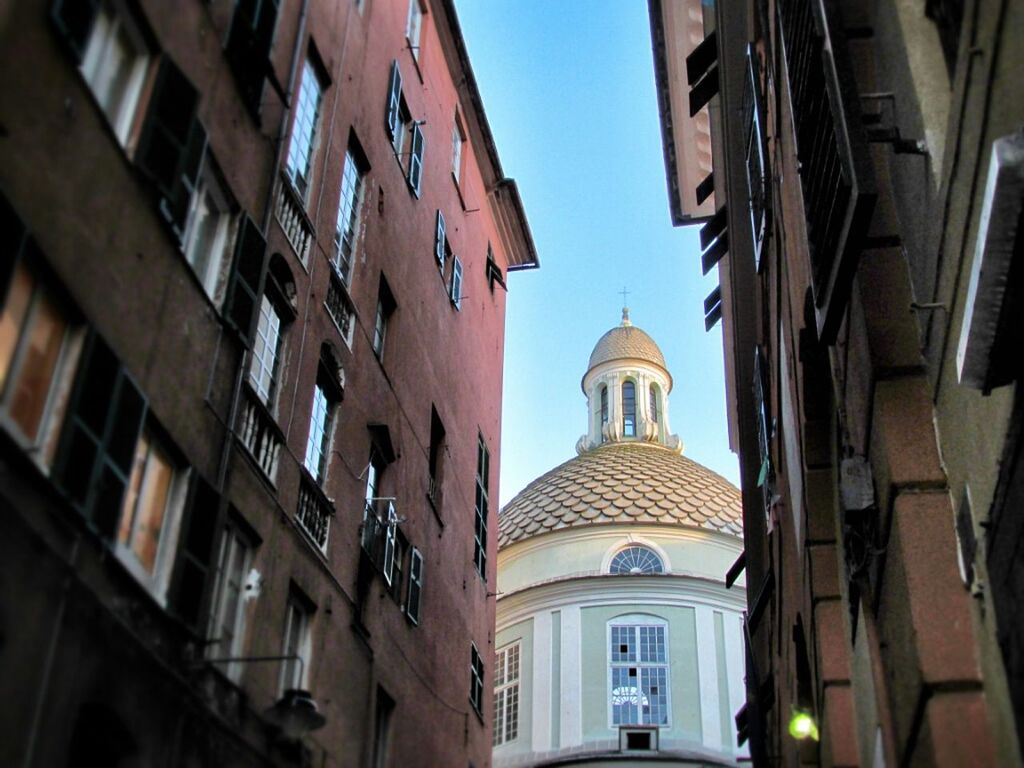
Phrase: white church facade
(617, 640)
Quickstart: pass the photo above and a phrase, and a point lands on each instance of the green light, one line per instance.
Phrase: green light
(802, 725)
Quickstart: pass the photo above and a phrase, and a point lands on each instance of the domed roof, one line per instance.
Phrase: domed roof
(626, 341)
(623, 482)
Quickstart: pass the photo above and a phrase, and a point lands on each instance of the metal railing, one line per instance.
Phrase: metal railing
(340, 308)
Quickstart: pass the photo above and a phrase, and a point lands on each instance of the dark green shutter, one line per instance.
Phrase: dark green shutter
(172, 143)
(100, 434)
(246, 278)
(248, 48)
(416, 159)
(189, 595)
(73, 19)
(392, 113)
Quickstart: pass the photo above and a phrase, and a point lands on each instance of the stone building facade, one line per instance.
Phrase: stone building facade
(246, 251)
(868, 172)
(619, 639)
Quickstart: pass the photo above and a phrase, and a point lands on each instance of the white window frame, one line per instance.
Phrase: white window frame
(414, 28)
(507, 693)
(390, 534)
(302, 146)
(414, 605)
(235, 551)
(458, 143)
(347, 228)
(637, 546)
(634, 622)
(319, 434)
(211, 199)
(394, 121)
(113, 24)
(158, 581)
(266, 347)
(297, 641)
(440, 241)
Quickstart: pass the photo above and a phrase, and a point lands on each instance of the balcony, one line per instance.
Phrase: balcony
(260, 435)
(836, 172)
(314, 512)
(291, 215)
(339, 307)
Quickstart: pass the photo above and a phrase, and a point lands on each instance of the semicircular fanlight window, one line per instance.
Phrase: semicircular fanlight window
(636, 559)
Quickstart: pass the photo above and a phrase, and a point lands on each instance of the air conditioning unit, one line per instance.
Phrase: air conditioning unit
(638, 738)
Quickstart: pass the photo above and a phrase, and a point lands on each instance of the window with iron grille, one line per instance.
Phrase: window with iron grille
(506, 694)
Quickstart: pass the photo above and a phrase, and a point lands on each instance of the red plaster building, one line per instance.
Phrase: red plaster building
(254, 259)
(867, 172)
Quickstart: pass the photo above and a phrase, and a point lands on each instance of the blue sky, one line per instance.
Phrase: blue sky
(568, 87)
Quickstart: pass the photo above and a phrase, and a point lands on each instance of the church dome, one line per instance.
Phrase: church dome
(625, 482)
(623, 342)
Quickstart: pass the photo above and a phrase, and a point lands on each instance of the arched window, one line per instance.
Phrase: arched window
(604, 404)
(636, 559)
(629, 409)
(654, 403)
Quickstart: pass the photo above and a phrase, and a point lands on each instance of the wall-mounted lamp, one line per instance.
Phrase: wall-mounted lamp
(802, 725)
(296, 712)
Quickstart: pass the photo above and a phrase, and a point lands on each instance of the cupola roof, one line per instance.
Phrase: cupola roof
(625, 342)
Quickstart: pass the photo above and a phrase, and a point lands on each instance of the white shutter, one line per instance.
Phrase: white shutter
(439, 240)
(457, 282)
(412, 607)
(393, 116)
(416, 159)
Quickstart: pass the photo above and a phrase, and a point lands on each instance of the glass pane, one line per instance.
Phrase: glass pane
(152, 506)
(31, 387)
(316, 443)
(13, 318)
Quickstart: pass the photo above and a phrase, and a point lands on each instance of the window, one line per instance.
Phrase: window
(413, 27)
(382, 728)
(297, 643)
(390, 544)
(382, 316)
(340, 308)
(435, 458)
(604, 407)
(114, 64)
(481, 505)
(227, 617)
(629, 409)
(352, 183)
(756, 153)
(636, 560)
(458, 140)
(307, 111)
(148, 529)
(33, 344)
(100, 433)
(398, 567)
(455, 292)
(207, 230)
(248, 48)
(415, 595)
(319, 434)
(265, 348)
(440, 241)
(400, 126)
(476, 680)
(653, 402)
(506, 694)
(638, 672)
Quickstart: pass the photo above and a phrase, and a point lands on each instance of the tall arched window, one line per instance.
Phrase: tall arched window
(654, 403)
(629, 409)
(604, 405)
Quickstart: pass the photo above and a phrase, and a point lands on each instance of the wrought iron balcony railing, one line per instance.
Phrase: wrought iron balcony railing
(835, 166)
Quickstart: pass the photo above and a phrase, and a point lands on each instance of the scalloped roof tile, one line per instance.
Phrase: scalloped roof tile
(604, 485)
